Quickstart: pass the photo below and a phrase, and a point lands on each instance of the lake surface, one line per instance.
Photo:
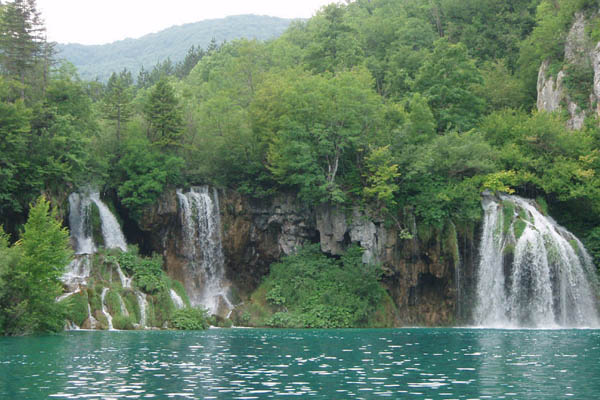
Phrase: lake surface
(327, 364)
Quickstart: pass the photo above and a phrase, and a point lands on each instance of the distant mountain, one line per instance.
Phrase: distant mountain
(99, 61)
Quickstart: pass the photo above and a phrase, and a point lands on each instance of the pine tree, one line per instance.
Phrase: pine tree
(163, 115)
(22, 40)
(32, 278)
(117, 100)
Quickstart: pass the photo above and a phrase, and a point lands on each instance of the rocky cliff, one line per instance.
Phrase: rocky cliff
(426, 274)
(581, 66)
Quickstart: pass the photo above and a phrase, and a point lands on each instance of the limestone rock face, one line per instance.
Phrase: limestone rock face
(258, 233)
(550, 90)
(552, 94)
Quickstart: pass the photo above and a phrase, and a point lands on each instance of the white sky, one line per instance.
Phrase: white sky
(105, 21)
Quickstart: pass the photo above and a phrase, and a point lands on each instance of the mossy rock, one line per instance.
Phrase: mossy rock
(96, 224)
(77, 308)
(425, 233)
(509, 249)
(508, 213)
(386, 314)
(519, 227)
(113, 303)
(132, 305)
(123, 322)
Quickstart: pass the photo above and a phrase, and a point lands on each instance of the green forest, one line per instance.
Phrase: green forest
(387, 104)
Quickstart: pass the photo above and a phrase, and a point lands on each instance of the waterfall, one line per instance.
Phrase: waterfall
(123, 306)
(532, 272)
(81, 226)
(125, 281)
(93, 322)
(143, 303)
(71, 326)
(77, 272)
(105, 310)
(177, 300)
(201, 228)
(111, 230)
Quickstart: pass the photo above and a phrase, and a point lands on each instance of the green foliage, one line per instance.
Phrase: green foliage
(508, 213)
(382, 177)
(592, 244)
(77, 308)
(311, 290)
(147, 272)
(519, 228)
(579, 79)
(143, 175)
(447, 79)
(163, 114)
(123, 322)
(32, 276)
(314, 125)
(191, 319)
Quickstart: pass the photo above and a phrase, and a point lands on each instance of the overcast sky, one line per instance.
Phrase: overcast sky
(105, 21)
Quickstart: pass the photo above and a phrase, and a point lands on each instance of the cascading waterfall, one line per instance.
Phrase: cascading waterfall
(123, 306)
(125, 281)
(532, 272)
(105, 310)
(93, 321)
(111, 230)
(177, 300)
(80, 224)
(143, 306)
(205, 280)
(79, 269)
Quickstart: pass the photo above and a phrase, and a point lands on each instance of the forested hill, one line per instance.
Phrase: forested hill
(101, 60)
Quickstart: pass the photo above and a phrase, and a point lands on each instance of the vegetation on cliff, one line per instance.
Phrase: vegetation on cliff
(311, 290)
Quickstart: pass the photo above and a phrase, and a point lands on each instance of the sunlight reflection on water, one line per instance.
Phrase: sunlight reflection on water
(253, 364)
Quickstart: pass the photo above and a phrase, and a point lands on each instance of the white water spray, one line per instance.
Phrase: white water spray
(177, 300)
(93, 322)
(532, 272)
(205, 281)
(143, 303)
(105, 310)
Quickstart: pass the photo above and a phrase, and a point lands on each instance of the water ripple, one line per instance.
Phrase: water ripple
(257, 364)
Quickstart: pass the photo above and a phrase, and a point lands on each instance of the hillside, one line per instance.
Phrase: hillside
(101, 60)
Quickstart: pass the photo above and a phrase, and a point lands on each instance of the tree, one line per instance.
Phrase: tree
(117, 100)
(163, 115)
(22, 40)
(28, 304)
(314, 124)
(447, 79)
(335, 45)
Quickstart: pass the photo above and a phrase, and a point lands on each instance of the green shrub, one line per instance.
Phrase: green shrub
(123, 322)
(131, 302)
(77, 308)
(592, 244)
(311, 290)
(113, 303)
(189, 319)
(148, 274)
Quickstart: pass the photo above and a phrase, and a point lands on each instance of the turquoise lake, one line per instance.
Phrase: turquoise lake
(326, 364)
